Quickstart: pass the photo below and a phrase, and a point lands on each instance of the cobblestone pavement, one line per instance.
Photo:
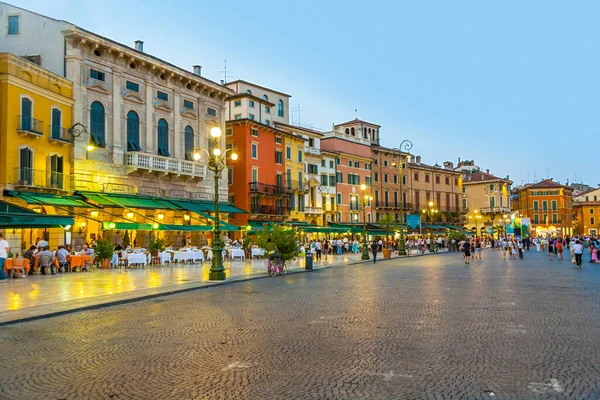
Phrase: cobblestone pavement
(422, 327)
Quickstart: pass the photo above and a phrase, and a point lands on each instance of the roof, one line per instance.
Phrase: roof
(272, 128)
(250, 96)
(480, 176)
(547, 183)
(434, 168)
(258, 86)
(300, 128)
(78, 30)
(357, 121)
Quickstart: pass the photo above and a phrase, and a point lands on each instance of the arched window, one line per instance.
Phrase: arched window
(97, 128)
(249, 91)
(265, 97)
(133, 131)
(163, 138)
(26, 113)
(347, 131)
(280, 108)
(364, 133)
(188, 139)
(352, 131)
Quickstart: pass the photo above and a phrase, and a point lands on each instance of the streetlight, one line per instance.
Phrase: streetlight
(77, 130)
(404, 145)
(365, 198)
(430, 212)
(216, 162)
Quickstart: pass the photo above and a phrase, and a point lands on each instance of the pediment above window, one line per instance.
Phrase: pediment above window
(99, 87)
(189, 114)
(134, 97)
(163, 106)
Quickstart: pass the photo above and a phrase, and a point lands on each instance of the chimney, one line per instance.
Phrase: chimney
(198, 70)
(418, 158)
(487, 171)
(139, 45)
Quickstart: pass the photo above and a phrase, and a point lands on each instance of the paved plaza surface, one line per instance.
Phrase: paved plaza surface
(422, 327)
(39, 295)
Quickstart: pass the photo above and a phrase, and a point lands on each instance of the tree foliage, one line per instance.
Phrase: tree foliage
(282, 237)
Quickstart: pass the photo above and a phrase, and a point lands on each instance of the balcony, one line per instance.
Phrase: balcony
(329, 208)
(313, 210)
(297, 186)
(41, 179)
(312, 150)
(29, 126)
(265, 188)
(152, 163)
(392, 205)
(270, 210)
(488, 210)
(60, 135)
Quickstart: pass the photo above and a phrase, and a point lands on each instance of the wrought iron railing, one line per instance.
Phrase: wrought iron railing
(265, 188)
(27, 124)
(60, 134)
(269, 210)
(40, 178)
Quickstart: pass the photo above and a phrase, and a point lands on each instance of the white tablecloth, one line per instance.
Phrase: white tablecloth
(115, 259)
(237, 253)
(258, 252)
(197, 255)
(183, 256)
(164, 257)
(137, 258)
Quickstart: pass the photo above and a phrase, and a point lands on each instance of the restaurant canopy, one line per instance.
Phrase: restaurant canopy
(15, 217)
(47, 199)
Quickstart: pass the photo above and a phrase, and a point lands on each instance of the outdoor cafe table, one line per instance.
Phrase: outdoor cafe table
(76, 261)
(188, 256)
(237, 253)
(257, 252)
(8, 264)
(137, 258)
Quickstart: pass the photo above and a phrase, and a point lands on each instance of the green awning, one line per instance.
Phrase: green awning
(126, 226)
(46, 199)
(209, 206)
(187, 228)
(324, 229)
(128, 201)
(15, 217)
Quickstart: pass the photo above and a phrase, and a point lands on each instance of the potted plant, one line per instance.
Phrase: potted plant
(155, 246)
(104, 251)
(388, 222)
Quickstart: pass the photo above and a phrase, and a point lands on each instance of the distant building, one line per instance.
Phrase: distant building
(587, 212)
(549, 206)
(579, 188)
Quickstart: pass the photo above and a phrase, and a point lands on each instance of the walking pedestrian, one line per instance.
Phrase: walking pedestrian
(550, 249)
(4, 250)
(559, 250)
(467, 252)
(374, 248)
(318, 249)
(578, 252)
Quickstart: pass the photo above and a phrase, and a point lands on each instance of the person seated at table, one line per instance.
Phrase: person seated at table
(46, 252)
(86, 251)
(69, 249)
(61, 257)
(30, 254)
(235, 243)
(118, 247)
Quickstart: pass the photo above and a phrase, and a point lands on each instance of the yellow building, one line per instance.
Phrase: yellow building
(587, 213)
(486, 199)
(35, 147)
(295, 176)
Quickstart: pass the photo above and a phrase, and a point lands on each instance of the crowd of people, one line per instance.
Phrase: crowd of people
(515, 248)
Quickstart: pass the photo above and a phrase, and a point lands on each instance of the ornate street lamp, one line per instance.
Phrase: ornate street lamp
(216, 162)
(365, 199)
(405, 145)
(430, 212)
(79, 129)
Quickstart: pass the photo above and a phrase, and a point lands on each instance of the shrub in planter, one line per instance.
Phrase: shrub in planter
(104, 251)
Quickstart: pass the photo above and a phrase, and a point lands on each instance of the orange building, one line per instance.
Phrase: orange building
(256, 181)
(587, 212)
(548, 205)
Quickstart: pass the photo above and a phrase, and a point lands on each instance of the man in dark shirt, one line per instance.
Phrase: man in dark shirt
(29, 255)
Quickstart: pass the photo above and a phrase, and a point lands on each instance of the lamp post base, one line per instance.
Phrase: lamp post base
(217, 276)
(365, 256)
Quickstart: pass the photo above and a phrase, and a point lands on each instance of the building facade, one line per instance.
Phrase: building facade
(586, 207)
(486, 198)
(548, 205)
(389, 193)
(36, 108)
(440, 185)
(351, 142)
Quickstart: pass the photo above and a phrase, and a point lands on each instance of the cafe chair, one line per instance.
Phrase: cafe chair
(45, 263)
(18, 266)
(87, 266)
